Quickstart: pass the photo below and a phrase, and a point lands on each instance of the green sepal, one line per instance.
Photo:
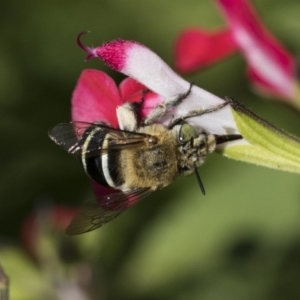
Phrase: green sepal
(268, 146)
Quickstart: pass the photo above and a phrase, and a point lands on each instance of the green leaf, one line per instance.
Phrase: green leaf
(268, 146)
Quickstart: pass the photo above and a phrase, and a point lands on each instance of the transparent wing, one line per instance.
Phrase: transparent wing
(71, 137)
(93, 215)
(68, 135)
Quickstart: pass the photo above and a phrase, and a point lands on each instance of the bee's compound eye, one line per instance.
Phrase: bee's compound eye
(186, 133)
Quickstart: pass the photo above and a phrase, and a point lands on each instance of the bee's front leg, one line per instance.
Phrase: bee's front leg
(161, 109)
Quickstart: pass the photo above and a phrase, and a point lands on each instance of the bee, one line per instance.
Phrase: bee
(135, 160)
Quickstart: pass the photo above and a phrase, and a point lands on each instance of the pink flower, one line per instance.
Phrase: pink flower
(197, 48)
(96, 95)
(271, 68)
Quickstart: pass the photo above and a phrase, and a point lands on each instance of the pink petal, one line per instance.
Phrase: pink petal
(261, 85)
(151, 101)
(95, 98)
(133, 91)
(114, 53)
(197, 48)
(100, 190)
(264, 54)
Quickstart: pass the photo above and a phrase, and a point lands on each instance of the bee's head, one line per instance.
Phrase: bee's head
(193, 147)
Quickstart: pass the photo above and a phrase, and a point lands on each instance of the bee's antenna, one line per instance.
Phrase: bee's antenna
(199, 181)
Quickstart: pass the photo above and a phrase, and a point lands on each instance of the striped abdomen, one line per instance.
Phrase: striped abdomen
(100, 162)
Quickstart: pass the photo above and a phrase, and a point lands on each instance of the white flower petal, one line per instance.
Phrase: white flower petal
(148, 68)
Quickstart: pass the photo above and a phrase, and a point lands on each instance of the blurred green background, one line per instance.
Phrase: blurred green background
(240, 241)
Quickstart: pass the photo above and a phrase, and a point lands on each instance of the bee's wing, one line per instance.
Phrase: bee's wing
(93, 215)
(68, 135)
(71, 137)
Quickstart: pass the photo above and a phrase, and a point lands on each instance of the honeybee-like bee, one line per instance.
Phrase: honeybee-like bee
(135, 160)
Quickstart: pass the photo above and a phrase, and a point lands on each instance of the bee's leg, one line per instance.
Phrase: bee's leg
(158, 112)
(176, 100)
(161, 109)
(127, 116)
(127, 113)
(198, 112)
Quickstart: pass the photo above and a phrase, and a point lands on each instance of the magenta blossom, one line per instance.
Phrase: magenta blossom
(271, 68)
(96, 96)
(197, 48)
